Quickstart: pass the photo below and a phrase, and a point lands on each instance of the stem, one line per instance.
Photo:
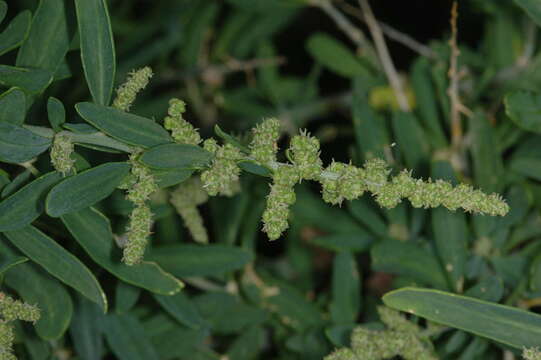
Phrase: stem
(384, 56)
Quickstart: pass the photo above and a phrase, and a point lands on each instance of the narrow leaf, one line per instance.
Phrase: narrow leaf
(182, 309)
(56, 113)
(86, 330)
(85, 189)
(127, 338)
(532, 8)
(18, 144)
(176, 156)
(524, 107)
(58, 262)
(13, 106)
(7, 262)
(97, 48)
(346, 289)
(33, 81)
(16, 32)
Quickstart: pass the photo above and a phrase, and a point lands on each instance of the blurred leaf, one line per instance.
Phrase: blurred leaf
(489, 289)
(126, 337)
(18, 145)
(346, 289)
(532, 8)
(264, 6)
(408, 259)
(56, 113)
(33, 81)
(13, 106)
(92, 231)
(16, 32)
(180, 307)
(36, 287)
(48, 40)
(410, 138)
(97, 48)
(340, 335)
(58, 262)
(129, 128)
(247, 345)
(198, 24)
(367, 215)
(7, 262)
(86, 330)
(336, 56)
(17, 183)
(354, 242)
(126, 296)
(524, 108)
(83, 190)
(166, 178)
(487, 162)
(3, 10)
(505, 324)
(24, 206)
(176, 156)
(198, 260)
(526, 159)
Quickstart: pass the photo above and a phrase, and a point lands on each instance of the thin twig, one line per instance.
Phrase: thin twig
(452, 91)
(384, 56)
(392, 33)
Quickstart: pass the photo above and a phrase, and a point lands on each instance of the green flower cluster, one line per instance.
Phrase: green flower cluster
(61, 153)
(264, 145)
(185, 198)
(10, 310)
(127, 92)
(140, 223)
(182, 131)
(344, 184)
(223, 175)
(305, 156)
(531, 354)
(402, 338)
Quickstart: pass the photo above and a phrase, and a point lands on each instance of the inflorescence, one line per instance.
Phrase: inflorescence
(61, 153)
(10, 310)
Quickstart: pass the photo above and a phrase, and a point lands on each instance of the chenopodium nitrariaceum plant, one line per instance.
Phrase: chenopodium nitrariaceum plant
(339, 181)
(401, 338)
(11, 310)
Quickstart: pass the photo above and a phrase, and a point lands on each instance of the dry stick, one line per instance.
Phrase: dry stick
(392, 33)
(384, 56)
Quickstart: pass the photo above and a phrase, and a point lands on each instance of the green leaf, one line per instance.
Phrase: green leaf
(56, 113)
(3, 10)
(196, 260)
(489, 289)
(126, 296)
(507, 325)
(247, 345)
(180, 307)
(16, 32)
(86, 330)
(176, 156)
(13, 106)
(85, 189)
(92, 231)
(532, 8)
(336, 56)
(127, 338)
(17, 183)
(18, 145)
(49, 38)
(346, 289)
(166, 178)
(36, 287)
(58, 262)
(524, 108)
(24, 206)
(132, 129)
(408, 259)
(411, 139)
(7, 262)
(354, 242)
(97, 48)
(33, 81)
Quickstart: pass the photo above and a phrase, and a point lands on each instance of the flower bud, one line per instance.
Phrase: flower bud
(61, 153)
(264, 142)
(223, 176)
(305, 156)
(182, 131)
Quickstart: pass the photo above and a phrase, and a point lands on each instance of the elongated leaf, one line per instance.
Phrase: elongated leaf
(85, 189)
(195, 260)
(3, 10)
(58, 262)
(532, 8)
(86, 330)
(97, 48)
(23, 207)
(56, 113)
(407, 259)
(182, 309)
(7, 263)
(411, 139)
(18, 144)
(176, 156)
(127, 338)
(132, 129)
(16, 32)
(346, 289)
(17, 183)
(336, 56)
(33, 81)
(92, 231)
(166, 178)
(524, 107)
(508, 325)
(247, 345)
(126, 297)
(48, 40)
(13, 106)
(37, 287)
(354, 242)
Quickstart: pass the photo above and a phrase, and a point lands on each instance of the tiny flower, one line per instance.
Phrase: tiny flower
(182, 131)
(264, 142)
(137, 234)
(144, 183)
(531, 354)
(305, 156)
(185, 198)
(126, 93)
(11, 309)
(223, 175)
(346, 183)
(61, 153)
(7, 337)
